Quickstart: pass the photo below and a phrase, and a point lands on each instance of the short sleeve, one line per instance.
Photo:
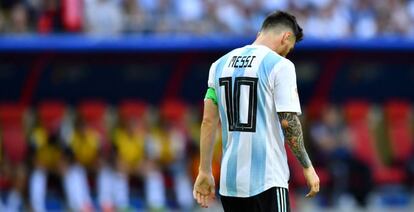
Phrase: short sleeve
(212, 75)
(285, 92)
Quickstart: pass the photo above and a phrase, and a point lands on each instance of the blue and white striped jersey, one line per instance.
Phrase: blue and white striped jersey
(252, 84)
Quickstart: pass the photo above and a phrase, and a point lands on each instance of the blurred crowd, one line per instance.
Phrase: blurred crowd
(136, 156)
(97, 158)
(324, 19)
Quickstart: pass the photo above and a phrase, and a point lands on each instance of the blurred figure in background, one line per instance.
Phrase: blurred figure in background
(13, 183)
(172, 143)
(19, 19)
(329, 17)
(155, 190)
(82, 151)
(2, 23)
(164, 18)
(331, 138)
(191, 13)
(365, 24)
(46, 154)
(135, 19)
(13, 158)
(49, 14)
(329, 134)
(129, 140)
(103, 17)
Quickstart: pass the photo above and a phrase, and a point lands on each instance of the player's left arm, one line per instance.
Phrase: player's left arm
(204, 186)
(208, 134)
(287, 105)
(292, 130)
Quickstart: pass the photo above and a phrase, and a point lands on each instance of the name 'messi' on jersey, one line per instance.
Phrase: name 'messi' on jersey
(242, 61)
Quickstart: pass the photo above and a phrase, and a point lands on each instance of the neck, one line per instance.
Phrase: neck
(265, 41)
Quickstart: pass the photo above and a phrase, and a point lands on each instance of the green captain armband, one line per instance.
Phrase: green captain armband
(211, 94)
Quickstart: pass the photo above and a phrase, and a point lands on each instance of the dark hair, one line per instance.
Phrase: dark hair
(280, 18)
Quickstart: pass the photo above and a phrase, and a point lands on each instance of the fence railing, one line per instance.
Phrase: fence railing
(164, 42)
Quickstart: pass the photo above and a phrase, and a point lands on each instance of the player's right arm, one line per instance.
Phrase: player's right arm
(204, 186)
(287, 106)
(292, 130)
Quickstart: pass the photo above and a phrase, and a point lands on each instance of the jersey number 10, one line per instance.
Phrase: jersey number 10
(233, 102)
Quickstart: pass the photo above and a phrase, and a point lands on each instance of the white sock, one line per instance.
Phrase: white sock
(14, 201)
(155, 189)
(86, 193)
(104, 182)
(121, 190)
(76, 187)
(183, 191)
(37, 190)
(69, 185)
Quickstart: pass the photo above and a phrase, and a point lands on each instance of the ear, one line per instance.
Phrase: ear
(286, 37)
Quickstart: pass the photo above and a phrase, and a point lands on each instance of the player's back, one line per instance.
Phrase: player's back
(254, 158)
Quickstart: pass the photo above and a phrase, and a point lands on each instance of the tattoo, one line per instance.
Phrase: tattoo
(292, 129)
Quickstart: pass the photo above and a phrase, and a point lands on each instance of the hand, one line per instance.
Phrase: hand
(204, 189)
(312, 180)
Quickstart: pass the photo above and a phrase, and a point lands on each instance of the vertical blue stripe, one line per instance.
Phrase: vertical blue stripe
(258, 154)
(219, 71)
(231, 174)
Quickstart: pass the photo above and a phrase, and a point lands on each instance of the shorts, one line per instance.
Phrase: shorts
(275, 199)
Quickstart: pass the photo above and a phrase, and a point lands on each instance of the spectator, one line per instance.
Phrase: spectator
(2, 23)
(83, 158)
(165, 18)
(13, 161)
(410, 9)
(49, 15)
(399, 18)
(365, 24)
(46, 156)
(154, 180)
(191, 12)
(129, 139)
(172, 143)
(331, 20)
(13, 181)
(103, 17)
(19, 19)
(135, 19)
(334, 148)
(232, 17)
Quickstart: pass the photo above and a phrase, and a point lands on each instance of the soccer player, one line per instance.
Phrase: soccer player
(252, 91)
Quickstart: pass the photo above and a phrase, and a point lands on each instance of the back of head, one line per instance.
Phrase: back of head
(280, 20)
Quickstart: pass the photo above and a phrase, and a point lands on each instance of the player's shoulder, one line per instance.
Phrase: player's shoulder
(286, 63)
(280, 63)
(278, 59)
(284, 67)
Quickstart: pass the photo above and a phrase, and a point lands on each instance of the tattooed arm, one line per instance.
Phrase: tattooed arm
(292, 129)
